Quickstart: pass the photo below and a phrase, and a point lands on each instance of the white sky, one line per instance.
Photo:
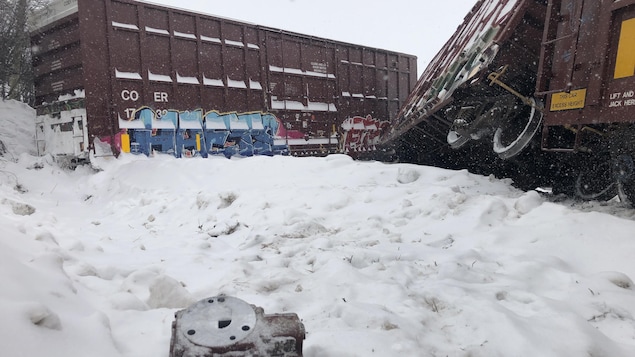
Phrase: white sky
(414, 27)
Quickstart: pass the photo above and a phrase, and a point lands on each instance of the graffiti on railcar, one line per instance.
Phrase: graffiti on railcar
(361, 133)
(197, 133)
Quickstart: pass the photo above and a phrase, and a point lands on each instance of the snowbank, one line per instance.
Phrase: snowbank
(376, 259)
(17, 128)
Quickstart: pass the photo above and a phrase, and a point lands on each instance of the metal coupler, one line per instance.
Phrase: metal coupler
(225, 326)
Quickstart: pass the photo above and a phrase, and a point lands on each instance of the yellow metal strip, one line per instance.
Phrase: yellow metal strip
(198, 142)
(625, 63)
(125, 143)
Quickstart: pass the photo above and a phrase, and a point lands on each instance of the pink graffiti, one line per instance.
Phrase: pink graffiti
(362, 134)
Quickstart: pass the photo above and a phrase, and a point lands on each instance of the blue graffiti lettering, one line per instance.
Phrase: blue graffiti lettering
(192, 133)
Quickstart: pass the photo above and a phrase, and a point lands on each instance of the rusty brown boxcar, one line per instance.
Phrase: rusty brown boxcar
(586, 78)
(147, 78)
(538, 90)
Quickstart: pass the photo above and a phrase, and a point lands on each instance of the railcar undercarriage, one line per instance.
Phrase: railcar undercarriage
(542, 94)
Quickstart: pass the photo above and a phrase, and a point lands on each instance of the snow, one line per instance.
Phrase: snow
(213, 82)
(235, 83)
(213, 121)
(157, 31)
(234, 43)
(159, 77)
(163, 123)
(191, 120)
(295, 105)
(127, 75)
(125, 26)
(376, 259)
(254, 85)
(300, 72)
(238, 123)
(17, 129)
(77, 93)
(210, 39)
(185, 79)
(185, 35)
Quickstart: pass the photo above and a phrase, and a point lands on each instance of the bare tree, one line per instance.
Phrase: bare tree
(16, 73)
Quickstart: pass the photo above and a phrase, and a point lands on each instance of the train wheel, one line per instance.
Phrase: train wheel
(456, 140)
(596, 182)
(511, 139)
(625, 169)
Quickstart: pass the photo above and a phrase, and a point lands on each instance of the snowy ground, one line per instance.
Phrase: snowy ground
(376, 259)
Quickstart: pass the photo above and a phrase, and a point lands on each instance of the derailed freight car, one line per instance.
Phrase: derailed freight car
(538, 90)
(145, 78)
(480, 83)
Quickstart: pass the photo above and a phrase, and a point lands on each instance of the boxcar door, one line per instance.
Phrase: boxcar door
(573, 66)
(573, 37)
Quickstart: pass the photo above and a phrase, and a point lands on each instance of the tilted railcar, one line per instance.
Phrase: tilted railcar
(145, 78)
(542, 91)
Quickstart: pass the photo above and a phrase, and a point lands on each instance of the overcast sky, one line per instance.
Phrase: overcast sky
(418, 27)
